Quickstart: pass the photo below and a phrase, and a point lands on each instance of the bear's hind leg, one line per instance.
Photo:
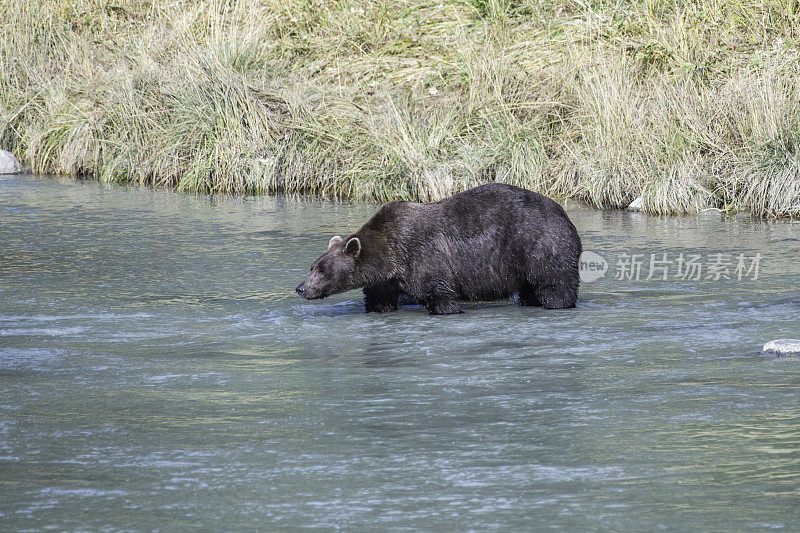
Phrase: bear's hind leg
(527, 295)
(557, 294)
(381, 298)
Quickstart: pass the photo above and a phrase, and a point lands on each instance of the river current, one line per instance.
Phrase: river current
(157, 371)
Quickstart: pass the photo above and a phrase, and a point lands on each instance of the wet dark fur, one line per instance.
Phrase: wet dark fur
(486, 243)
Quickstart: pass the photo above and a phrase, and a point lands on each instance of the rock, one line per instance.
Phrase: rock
(711, 213)
(636, 205)
(783, 347)
(9, 163)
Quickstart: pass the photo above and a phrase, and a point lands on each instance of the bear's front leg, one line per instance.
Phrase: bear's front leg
(436, 291)
(440, 306)
(381, 298)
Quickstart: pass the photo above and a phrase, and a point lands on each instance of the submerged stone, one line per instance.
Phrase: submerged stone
(783, 347)
(9, 163)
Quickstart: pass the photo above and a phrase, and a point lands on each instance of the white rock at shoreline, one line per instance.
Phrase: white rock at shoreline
(9, 163)
(636, 205)
(783, 347)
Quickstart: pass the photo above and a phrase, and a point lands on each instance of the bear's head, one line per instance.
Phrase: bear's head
(337, 270)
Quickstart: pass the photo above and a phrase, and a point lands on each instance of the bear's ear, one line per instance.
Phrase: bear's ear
(353, 247)
(334, 241)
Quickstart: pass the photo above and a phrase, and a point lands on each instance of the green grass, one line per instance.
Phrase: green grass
(689, 104)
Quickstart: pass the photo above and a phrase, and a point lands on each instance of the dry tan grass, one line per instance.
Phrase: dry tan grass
(688, 104)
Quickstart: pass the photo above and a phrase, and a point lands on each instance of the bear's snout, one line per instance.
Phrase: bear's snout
(300, 289)
(309, 289)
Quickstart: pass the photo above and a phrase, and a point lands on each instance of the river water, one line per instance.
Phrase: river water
(158, 372)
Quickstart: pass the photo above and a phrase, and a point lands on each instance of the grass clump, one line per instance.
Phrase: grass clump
(688, 104)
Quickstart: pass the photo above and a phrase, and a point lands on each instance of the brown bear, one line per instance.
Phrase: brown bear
(487, 243)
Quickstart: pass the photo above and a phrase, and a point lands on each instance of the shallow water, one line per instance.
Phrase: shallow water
(157, 371)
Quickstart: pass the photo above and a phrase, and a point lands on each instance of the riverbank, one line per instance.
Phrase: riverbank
(689, 105)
